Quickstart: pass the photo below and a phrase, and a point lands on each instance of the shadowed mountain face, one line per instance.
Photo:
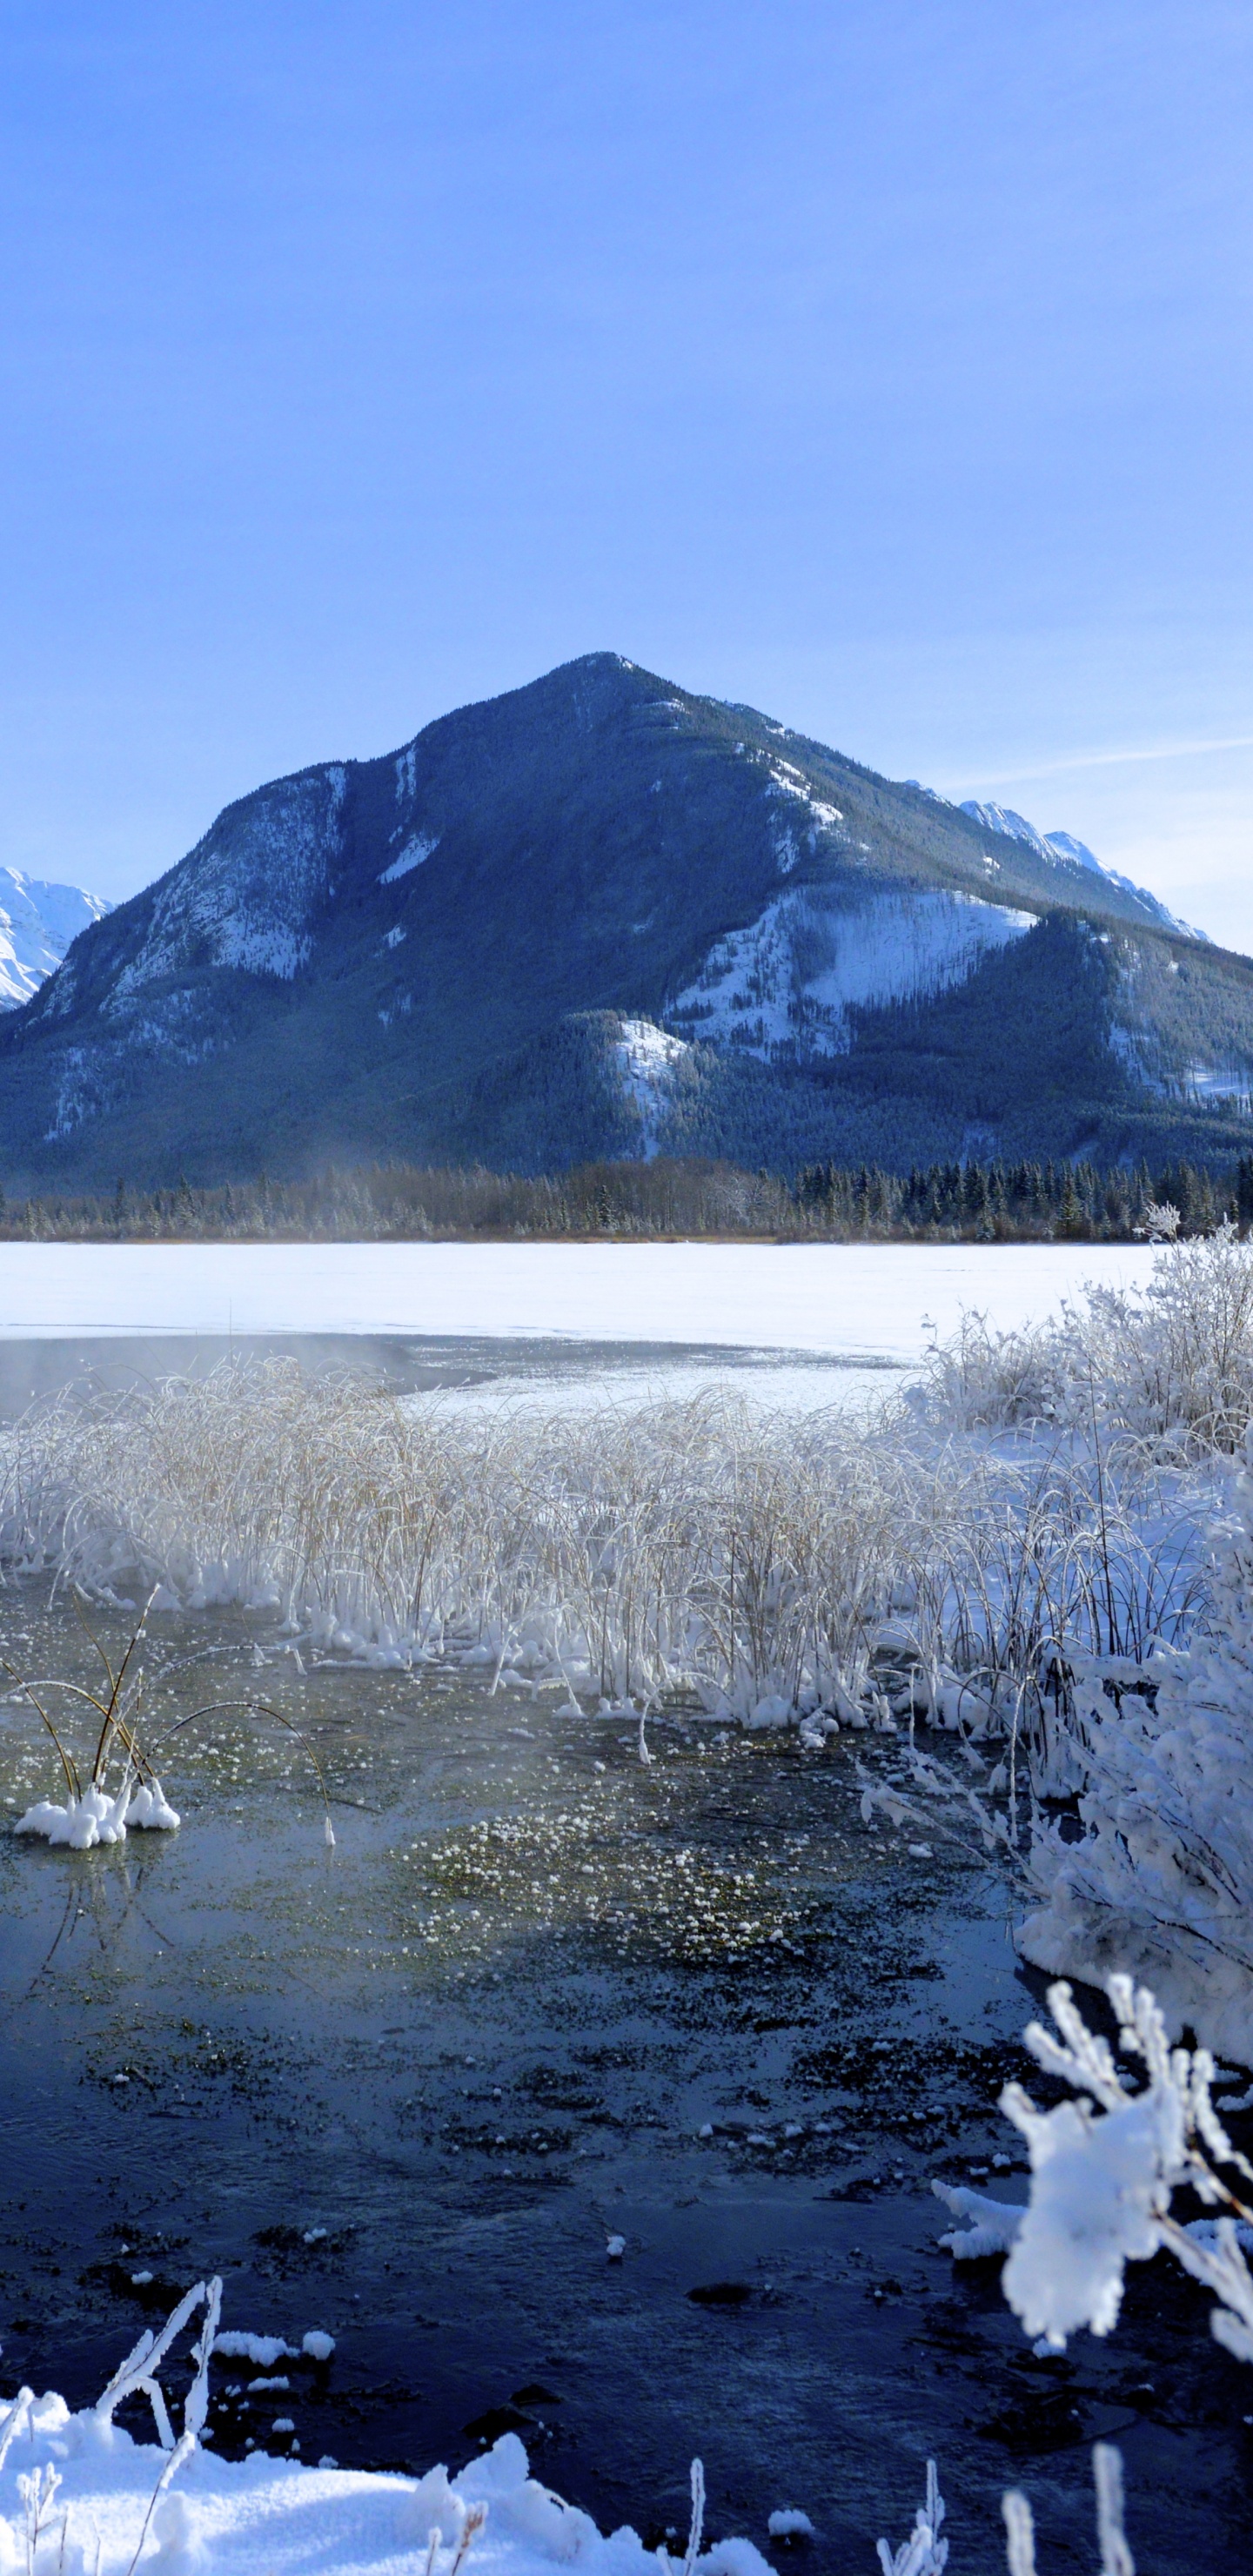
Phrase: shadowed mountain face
(601, 915)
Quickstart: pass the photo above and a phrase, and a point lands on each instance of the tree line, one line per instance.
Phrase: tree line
(967, 1201)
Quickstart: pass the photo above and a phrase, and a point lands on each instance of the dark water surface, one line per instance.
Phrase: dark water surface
(405, 2090)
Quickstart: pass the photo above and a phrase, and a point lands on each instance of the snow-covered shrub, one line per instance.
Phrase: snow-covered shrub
(1105, 2166)
(1172, 1364)
(1177, 1362)
(1161, 1875)
(984, 1378)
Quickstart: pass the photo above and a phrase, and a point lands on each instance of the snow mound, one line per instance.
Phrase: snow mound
(277, 2515)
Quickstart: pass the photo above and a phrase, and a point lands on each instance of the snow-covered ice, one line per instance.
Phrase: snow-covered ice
(863, 1300)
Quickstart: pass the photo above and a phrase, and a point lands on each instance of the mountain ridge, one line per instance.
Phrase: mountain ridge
(377, 957)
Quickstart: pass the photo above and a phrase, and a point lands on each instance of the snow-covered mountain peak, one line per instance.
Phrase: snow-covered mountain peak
(37, 924)
(1062, 849)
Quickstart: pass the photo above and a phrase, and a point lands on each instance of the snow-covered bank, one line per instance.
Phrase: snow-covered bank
(273, 2516)
(180, 2509)
(881, 1300)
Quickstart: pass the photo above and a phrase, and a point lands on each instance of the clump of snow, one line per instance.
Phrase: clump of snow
(994, 2223)
(265, 2350)
(318, 2346)
(96, 1817)
(787, 2523)
(1099, 2188)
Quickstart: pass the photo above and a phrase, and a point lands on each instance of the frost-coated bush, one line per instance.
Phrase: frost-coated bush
(1162, 1875)
(1172, 1364)
(1105, 2165)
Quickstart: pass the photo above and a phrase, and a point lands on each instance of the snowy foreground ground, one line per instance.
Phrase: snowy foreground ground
(273, 2517)
(874, 1300)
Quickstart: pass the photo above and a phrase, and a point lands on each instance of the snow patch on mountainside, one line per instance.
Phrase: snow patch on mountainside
(791, 837)
(37, 923)
(1163, 1059)
(412, 856)
(788, 981)
(646, 1057)
(1230, 1083)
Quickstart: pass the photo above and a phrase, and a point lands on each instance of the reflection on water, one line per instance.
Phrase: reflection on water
(539, 1995)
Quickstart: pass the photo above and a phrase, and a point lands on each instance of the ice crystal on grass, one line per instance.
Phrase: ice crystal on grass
(924, 2553)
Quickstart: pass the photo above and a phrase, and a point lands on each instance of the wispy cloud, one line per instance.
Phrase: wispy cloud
(1113, 759)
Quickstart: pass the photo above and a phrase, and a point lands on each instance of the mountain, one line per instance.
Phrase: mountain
(603, 915)
(37, 923)
(1068, 852)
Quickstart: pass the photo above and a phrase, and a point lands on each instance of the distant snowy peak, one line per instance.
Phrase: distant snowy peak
(1062, 849)
(37, 923)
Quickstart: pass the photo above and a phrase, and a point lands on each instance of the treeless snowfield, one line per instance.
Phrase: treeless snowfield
(872, 1300)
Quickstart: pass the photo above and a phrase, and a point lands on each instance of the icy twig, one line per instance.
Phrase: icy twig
(180, 2452)
(196, 2402)
(924, 2553)
(697, 2524)
(137, 2374)
(16, 2422)
(1019, 2533)
(1116, 2558)
(470, 2528)
(38, 2490)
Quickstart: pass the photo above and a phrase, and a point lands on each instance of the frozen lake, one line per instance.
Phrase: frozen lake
(849, 1302)
(800, 1326)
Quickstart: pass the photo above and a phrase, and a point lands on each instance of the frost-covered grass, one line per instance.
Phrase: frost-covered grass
(775, 1568)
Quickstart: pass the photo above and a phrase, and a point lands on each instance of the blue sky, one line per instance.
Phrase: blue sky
(886, 365)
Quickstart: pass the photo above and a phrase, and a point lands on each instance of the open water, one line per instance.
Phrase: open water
(540, 1995)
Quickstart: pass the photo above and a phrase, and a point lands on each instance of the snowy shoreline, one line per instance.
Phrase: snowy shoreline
(278, 2516)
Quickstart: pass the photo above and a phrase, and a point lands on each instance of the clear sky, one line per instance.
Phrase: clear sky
(883, 362)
